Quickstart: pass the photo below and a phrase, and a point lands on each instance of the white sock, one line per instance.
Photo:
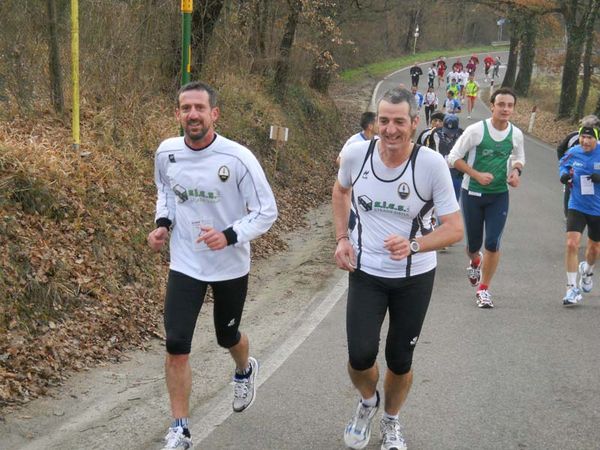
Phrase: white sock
(571, 278)
(390, 417)
(588, 268)
(370, 401)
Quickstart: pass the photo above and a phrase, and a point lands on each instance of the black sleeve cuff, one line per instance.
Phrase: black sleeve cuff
(163, 222)
(230, 235)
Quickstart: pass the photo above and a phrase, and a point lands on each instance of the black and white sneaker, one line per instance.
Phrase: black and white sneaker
(176, 439)
(586, 283)
(484, 299)
(244, 389)
(358, 431)
(391, 435)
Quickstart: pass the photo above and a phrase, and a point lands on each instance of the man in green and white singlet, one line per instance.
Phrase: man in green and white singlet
(494, 160)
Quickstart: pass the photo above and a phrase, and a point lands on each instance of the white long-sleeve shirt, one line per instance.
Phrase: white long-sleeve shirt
(220, 186)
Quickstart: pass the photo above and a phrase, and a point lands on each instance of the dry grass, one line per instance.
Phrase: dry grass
(77, 282)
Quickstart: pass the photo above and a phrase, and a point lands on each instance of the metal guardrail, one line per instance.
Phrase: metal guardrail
(500, 43)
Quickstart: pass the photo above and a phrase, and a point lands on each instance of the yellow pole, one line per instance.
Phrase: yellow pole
(75, 70)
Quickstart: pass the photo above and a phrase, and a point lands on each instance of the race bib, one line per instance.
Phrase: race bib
(587, 187)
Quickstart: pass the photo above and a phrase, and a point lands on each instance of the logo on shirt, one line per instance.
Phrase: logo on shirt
(172, 157)
(403, 191)
(365, 174)
(223, 173)
(391, 207)
(196, 195)
(365, 203)
(180, 192)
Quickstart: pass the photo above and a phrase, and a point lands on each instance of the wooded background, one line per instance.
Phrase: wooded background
(131, 48)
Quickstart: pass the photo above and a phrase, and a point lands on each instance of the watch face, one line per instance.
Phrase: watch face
(414, 246)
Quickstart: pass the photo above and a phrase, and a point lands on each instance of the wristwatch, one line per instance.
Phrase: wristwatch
(414, 246)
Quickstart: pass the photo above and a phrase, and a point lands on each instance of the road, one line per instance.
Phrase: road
(521, 376)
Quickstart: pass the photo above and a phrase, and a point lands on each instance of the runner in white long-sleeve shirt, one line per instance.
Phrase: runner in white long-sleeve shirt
(214, 198)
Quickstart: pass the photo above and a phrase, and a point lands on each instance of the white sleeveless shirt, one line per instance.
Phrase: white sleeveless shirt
(398, 200)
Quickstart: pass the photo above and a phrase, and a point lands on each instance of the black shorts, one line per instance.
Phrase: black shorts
(183, 302)
(369, 299)
(576, 221)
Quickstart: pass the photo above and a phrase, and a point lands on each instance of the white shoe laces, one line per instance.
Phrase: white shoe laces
(174, 437)
(484, 297)
(391, 431)
(240, 388)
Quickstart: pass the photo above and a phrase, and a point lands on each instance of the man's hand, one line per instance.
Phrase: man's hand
(157, 238)
(215, 240)
(398, 246)
(514, 178)
(566, 178)
(484, 178)
(595, 177)
(344, 255)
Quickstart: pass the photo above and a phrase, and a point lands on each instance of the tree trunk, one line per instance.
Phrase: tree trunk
(282, 66)
(513, 56)
(204, 19)
(320, 77)
(526, 55)
(56, 84)
(412, 24)
(597, 110)
(587, 62)
(570, 11)
(258, 36)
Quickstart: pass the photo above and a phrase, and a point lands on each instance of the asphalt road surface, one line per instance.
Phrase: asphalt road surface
(524, 375)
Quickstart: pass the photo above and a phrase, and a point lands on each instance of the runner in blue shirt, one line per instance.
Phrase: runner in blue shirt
(580, 167)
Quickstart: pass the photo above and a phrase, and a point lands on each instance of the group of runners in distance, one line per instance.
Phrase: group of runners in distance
(396, 200)
(460, 88)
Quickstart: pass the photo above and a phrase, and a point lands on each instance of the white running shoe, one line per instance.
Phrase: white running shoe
(474, 273)
(244, 389)
(587, 282)
(391, 435)
(358, 431)
(469, 116)
(176, 439)
(484, 299)
(572, 297)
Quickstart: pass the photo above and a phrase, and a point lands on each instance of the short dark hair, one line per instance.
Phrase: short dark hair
(199, 86)
(437, 115)
(503, 91)
(366, 119)
(401, 95)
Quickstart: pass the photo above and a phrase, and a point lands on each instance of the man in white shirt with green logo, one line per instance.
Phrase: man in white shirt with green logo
(494, 160)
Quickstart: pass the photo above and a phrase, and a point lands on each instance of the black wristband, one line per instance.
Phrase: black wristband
(518, 170)
(230, 235)
(163, 222)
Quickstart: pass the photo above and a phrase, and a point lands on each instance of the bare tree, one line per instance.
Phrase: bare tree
(204, 20)
(587, 62)
(575, 14)
(528, 28)
(282, 66)
(56, 84)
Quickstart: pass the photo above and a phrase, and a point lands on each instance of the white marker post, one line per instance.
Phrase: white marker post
(280, 136)
(532, 119)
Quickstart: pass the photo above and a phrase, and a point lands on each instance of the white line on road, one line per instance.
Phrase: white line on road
(221, 410)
